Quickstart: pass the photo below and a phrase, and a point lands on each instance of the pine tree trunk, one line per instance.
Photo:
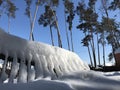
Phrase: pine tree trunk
(66, 31)
(8, 23)
(33, 22)
(59, 37)
(58, 31)
(98, 50)
(51, 34)
(93, 50)
(71, 40)
(104, 54)
(31, 27)
(89, 54)
(103, 49)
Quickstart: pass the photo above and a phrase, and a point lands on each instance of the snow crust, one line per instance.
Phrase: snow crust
(49, 61)
(82, 80)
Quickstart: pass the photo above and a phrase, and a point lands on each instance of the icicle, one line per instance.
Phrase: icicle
(31, 72)
(22, 76)
(14, 69)
(71, 64)
(3, 75)
(62, 66)
(50, 66)
(44, 63)
(31, 75)
(57, 71)
(38, 66)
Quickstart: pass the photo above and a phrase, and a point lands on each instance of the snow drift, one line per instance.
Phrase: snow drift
(82, 80)
(32, 60)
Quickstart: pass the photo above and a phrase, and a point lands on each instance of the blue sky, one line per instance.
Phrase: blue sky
(20, 26)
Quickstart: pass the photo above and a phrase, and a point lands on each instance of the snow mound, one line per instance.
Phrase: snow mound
(36, 60)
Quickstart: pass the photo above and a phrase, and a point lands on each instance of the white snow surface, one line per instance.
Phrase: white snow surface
(55, 68)
(48, 61)
(82, 80)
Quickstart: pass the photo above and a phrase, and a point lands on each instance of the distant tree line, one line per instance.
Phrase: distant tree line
(98, 27)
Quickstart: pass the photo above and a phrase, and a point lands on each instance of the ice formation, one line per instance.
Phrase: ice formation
(33, 60)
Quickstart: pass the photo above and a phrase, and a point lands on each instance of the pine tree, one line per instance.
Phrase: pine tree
(88, 19)
(8, 8)
(47, 18)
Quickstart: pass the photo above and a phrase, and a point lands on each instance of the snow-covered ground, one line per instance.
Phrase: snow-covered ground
(54, 68)
(83, 80)
(113, 75)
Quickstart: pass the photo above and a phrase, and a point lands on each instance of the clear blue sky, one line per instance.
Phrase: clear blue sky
(20, 27)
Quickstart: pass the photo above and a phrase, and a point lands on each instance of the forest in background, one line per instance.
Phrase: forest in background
(100, 29)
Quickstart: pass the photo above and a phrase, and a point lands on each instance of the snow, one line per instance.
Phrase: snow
(90, 80)
(113, 75)
(37, 85)
(53, 68)
(82, 80)
(48, 61)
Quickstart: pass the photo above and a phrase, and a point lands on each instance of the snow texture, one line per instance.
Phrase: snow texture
(48, 61)
(82, 80)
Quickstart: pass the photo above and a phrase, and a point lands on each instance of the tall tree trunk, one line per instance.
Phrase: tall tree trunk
(103, 49)
(58, 30)
(59, 36)
(57, 27)
(71, 40)
(98, 50)
(33, 22)
(31, 26)
(104, 55)
(89, 54)
(93, 50)
(66, 29)
(114, 53)
(94, 57)
(8, 23)
(51, 34)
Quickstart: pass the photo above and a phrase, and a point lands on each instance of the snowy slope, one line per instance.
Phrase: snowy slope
(82, 80)
(48, 61)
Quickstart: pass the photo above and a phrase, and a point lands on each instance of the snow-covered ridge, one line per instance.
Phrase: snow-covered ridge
(48, 61)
